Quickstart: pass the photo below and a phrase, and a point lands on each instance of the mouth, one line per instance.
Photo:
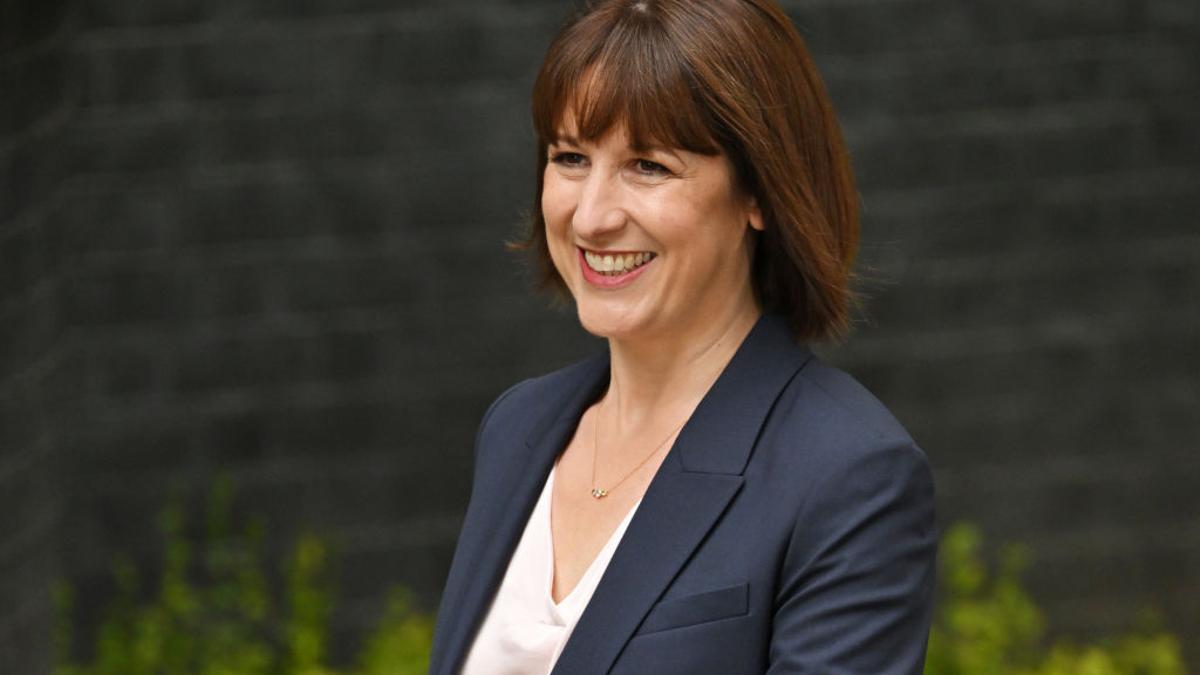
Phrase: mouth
(616, 264)
(612, 269)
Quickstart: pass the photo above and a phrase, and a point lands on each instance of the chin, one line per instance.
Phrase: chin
(605, 323)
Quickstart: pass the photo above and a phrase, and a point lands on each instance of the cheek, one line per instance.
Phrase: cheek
(556, 214)
(555, 203)
(706, 229)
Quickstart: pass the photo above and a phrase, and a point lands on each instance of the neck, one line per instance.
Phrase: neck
(657, 383)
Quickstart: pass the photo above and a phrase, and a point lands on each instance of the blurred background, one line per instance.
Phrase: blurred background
(263, 238)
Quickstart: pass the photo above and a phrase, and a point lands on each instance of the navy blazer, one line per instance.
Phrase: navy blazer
(789, 529)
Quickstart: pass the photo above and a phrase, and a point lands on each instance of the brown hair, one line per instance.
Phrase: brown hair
(713, 76)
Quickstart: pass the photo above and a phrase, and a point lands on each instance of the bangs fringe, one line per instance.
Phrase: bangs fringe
(628, 74)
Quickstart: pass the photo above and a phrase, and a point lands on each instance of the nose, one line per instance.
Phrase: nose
(599, 211)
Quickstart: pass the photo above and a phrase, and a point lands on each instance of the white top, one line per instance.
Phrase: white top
(525, 630)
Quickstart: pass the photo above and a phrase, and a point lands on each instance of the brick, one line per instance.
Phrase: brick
(427, 122)
(370, 281)
(101, 527)
(16, 182)
(29, 500)
(1179, 17)
(1007, 428)
(29, 173)
(1130, 566)
(100, 14)
(471, 48)
(1056, 286)
(27, 627)
(974, 76)
(21, 261)
(25, 23)
(983, 407)
(401, 50)
(1130, 498)
(38, 325)
(107, 449)
(173, 13)
(238, 361)
(915, 24)
(17, 428)
(107, 148)
(253, 67)
(520, 330)
(130, 220)
(1003, 146)
(35, 88)
(327, 204)
(105, 294)
(234, 290)
(500, 189)
(345, 428)
(125, 366)
(329, 495)
(1006, 218)
(261, 67)
(236, 438)
(266, 10)
(123, 75)
(1177, 142)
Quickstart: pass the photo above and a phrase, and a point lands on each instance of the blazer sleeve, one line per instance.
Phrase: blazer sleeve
(856, 592)
(487, 415)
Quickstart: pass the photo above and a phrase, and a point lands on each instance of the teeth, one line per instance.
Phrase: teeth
(610, 264)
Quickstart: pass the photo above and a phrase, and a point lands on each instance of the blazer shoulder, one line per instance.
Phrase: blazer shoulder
(525, 403)
(837, 398)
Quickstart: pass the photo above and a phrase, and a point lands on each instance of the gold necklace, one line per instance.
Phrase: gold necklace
(600, 493)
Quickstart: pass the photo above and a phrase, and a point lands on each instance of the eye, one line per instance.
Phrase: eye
(570, 160)
(651, 168)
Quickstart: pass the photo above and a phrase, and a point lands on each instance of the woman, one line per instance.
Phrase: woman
(705, 495)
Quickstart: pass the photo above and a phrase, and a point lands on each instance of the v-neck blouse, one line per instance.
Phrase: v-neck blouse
(525, 630)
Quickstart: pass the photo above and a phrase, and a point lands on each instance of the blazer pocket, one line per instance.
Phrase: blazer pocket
(720, 603)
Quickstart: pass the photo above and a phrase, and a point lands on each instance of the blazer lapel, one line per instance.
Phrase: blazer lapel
(510, 498)
(698, 478)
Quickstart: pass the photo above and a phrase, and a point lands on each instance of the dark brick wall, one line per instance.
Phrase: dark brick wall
(1030, 182)
(283, 222)
(35, 105)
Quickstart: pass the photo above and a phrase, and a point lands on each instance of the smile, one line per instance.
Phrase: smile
(616, 264)
(613, 270)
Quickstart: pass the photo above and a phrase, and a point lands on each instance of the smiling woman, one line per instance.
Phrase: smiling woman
(704, 495)
(709, 86)
(608, 202)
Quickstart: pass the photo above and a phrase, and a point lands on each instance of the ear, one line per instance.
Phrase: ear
(754, 217)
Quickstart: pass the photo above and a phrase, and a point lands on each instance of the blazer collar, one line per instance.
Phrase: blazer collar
(719, 435)
(696, 481)
(698, 478)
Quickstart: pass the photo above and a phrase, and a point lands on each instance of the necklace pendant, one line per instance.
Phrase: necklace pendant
(599, 492)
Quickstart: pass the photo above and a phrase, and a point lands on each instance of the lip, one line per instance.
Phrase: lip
(610, 282)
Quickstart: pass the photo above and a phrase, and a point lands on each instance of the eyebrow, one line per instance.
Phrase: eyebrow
(568, 138)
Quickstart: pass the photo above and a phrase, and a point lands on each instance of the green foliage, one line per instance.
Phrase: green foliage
(401, 645)
(991, 626)
(217, 616)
